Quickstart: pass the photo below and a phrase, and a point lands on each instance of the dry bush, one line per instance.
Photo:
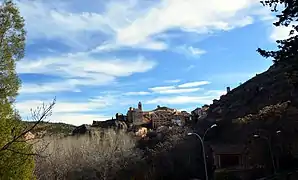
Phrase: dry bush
(98, 156)
(178, 157)
(112, 155)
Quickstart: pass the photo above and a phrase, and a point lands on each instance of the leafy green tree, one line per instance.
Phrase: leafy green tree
(16, 161)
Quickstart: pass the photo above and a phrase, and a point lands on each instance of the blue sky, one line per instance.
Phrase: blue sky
(101, 57)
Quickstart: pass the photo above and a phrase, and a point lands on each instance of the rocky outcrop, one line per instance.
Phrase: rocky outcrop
(269, 88)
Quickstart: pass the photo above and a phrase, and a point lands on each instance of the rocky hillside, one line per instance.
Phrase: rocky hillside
(264, 91)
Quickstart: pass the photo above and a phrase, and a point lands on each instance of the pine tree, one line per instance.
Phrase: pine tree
(287, 15)
(15, 161)
(287, 53)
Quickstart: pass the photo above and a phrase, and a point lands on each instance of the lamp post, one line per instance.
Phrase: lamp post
(203, 147)
(214, 125)
(268, 140)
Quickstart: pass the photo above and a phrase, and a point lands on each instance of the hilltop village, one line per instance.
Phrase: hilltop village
(136, 118)
(139, 121)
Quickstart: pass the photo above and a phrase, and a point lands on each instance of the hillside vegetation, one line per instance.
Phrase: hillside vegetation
(48, 128)
(111, 155)
(264, 92)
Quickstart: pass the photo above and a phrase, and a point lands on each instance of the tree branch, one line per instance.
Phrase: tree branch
(46, 112)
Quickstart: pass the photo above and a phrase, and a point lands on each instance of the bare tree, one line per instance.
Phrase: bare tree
(39, 115)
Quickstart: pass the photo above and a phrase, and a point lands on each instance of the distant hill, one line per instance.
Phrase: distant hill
(48, 128)
(268, 90)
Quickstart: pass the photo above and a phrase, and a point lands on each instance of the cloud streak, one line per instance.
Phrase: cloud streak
(72, 112)
(181, 100)
(182, 88)
(80, 70)
(108, 46)
(176, 91)
(173, 81)
(194, 84)
(137, 93)
(205, 98)
(131, 23)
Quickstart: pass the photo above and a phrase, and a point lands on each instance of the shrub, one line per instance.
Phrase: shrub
(113, 155)
(78, 157)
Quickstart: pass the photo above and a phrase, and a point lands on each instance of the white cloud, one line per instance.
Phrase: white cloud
(162, 88)
(181, 100)
(45, 88)
(281, 33)
(206, 98)
(117, 24)
(67, 106)
(132, 23)
(84, 66)
(185, 88)
(176, 91)
(79, 70)
(197, 16)
(194, 84)
(173, 81)
(196, 51)
(56, 21)
(68, 111)
(66, 85)
(264, 14)
(137, 93)
(190, 51)
(182, 88)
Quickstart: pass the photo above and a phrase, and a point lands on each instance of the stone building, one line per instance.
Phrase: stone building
(164, 116)
(199, 113)
(136, 116)
(161, 116)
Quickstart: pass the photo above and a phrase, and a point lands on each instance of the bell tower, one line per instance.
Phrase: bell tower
(140, 106)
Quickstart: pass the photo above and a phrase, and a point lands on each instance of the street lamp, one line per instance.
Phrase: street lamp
(270, 148)
(214, 125)
(203, 147)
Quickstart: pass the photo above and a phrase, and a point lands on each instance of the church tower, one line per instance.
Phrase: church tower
(140, 106)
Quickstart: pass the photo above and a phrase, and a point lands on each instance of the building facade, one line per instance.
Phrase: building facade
(199, 113)
(161, 116)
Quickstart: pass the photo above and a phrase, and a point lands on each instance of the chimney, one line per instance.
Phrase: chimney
(228, 89)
